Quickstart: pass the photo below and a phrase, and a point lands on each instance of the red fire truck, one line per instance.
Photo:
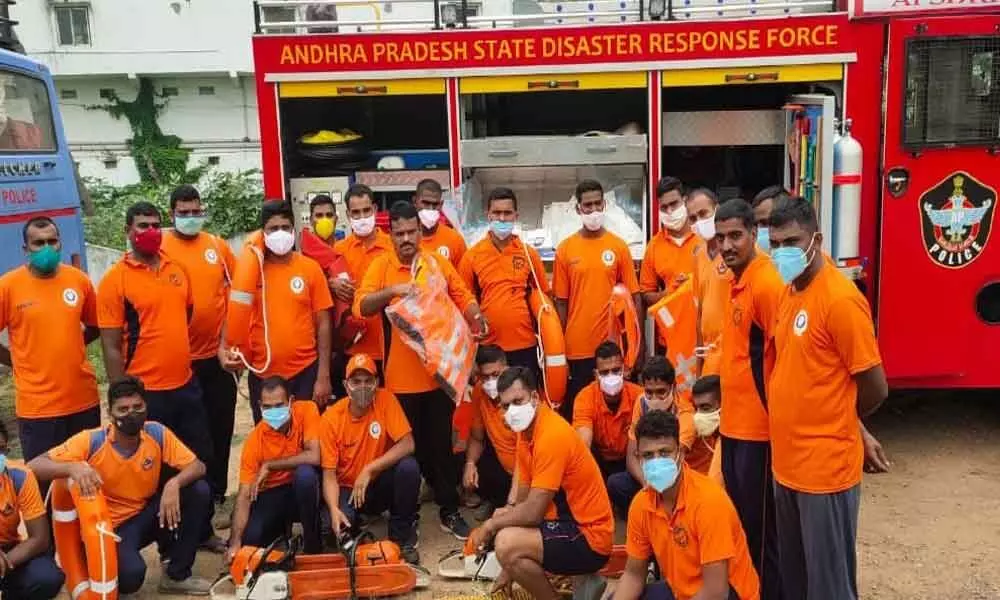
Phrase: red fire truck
(885, 113)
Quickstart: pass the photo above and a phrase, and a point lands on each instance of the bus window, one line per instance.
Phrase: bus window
(25, 114)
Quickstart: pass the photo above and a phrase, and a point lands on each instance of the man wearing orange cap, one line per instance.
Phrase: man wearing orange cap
(367, 458)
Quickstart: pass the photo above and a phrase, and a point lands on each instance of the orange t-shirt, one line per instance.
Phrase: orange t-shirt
(446, 242)
(20, 499)
(152, 309)
(667, 257)
(487, 416)
(405, 373)
(264, 444)
(743, 367)
(128, 482)
(296, 291)
(555, 459)
(584, 273)
(684, 411)
(702, 529)
(500, 279)
(610, 430)
(359, 256)
(208, 261)
(711, 286)
(43, 317)
(348, 443)
(824, 336)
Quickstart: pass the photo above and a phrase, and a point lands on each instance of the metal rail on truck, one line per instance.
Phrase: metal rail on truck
(324, 16)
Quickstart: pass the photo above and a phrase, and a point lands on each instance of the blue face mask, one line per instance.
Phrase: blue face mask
(502, 229)
(276, 417)
(660, 473)
(791, 261)
(189, 225)
(764, 239)
(3, 462)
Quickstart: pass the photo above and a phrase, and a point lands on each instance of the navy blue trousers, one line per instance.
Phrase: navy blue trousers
(277, 508)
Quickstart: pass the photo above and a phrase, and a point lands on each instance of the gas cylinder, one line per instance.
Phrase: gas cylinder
(847, 154)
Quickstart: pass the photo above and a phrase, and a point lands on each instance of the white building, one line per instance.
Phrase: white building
(196, 52)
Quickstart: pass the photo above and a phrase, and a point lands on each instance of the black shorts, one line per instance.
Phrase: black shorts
(565, 550)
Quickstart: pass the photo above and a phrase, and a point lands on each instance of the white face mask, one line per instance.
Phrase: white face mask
(429, 217)
(364, 226)
(675, 219)
(279, 242)
(490, 387)
(593, 221)
(611, 384)
(706, 423)
(705, 228)
(519, 416)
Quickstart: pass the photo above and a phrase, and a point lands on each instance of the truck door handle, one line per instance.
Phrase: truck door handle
(751, 77)
(602, 149)
(503, 153)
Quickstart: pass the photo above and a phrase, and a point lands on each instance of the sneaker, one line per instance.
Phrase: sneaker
(485, 511)
(408, 547)
(192, 586)
(455, 525)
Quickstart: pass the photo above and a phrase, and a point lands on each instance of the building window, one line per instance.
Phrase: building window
(107, 93)
(67, 94)
(472, 9)
(277, 14)
(951, 96)
(206, 90)
(213, 160)
(73, 24)
(110, 163)
(170, 91)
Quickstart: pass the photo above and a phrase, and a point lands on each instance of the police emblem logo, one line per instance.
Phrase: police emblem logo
(801, 323)
(147, 463)
(70, 297)
(375, 430)
(444, 251)
(210, 256)
(680, 536)
(608, 258)
(518, 263)
(956, 218)
(297, 284)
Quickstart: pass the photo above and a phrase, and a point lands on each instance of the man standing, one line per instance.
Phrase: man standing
(670, 255)
(710, 280)
(368, 467)
(588, 265)
(359, 249)
(290, 326)
(124, 461)
(209, 262)
(748, 322)
(444, 240)
(428, 408)
(500, 270)
(602, 413)
(279, 479)
(144, 306)
(50, 312)
(684, 521)
(561, 521)
(827, 374)
(323, 218)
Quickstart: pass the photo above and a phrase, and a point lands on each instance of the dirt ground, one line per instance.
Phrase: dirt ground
(928, 529)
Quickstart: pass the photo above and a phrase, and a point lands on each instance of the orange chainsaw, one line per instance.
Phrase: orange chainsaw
(277, 572)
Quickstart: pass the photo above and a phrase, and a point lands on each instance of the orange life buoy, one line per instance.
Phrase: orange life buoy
(551, 347)
(623, 325)
(85, 543)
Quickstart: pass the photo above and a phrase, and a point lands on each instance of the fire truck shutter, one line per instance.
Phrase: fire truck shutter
(386, 87)
(552, 83)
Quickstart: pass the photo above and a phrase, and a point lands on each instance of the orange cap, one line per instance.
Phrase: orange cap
(361, 361)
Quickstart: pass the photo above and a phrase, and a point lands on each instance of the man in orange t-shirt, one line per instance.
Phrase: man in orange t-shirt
(367, 457)
(827, 373)
(434, 238)
(587, 267)
(491, 453)
(209, 262)
(279, 472)
(43, 305)
(428, 408)
(602, 413)
(686, 522)
(297, 335)
(26, 569)
(710, 279)
(755, 291)
(124, 461)
(501, 270)
(704, 455)
(561, 521)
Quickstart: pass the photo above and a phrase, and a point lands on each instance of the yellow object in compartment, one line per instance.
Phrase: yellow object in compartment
(325, 136)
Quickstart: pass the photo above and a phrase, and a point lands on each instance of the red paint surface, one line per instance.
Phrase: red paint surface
(27, 216)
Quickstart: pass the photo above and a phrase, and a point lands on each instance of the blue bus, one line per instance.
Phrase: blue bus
(37, 174)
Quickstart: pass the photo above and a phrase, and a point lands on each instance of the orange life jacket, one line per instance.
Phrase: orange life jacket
(676, 318)
(346, 328)
(624, 327)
